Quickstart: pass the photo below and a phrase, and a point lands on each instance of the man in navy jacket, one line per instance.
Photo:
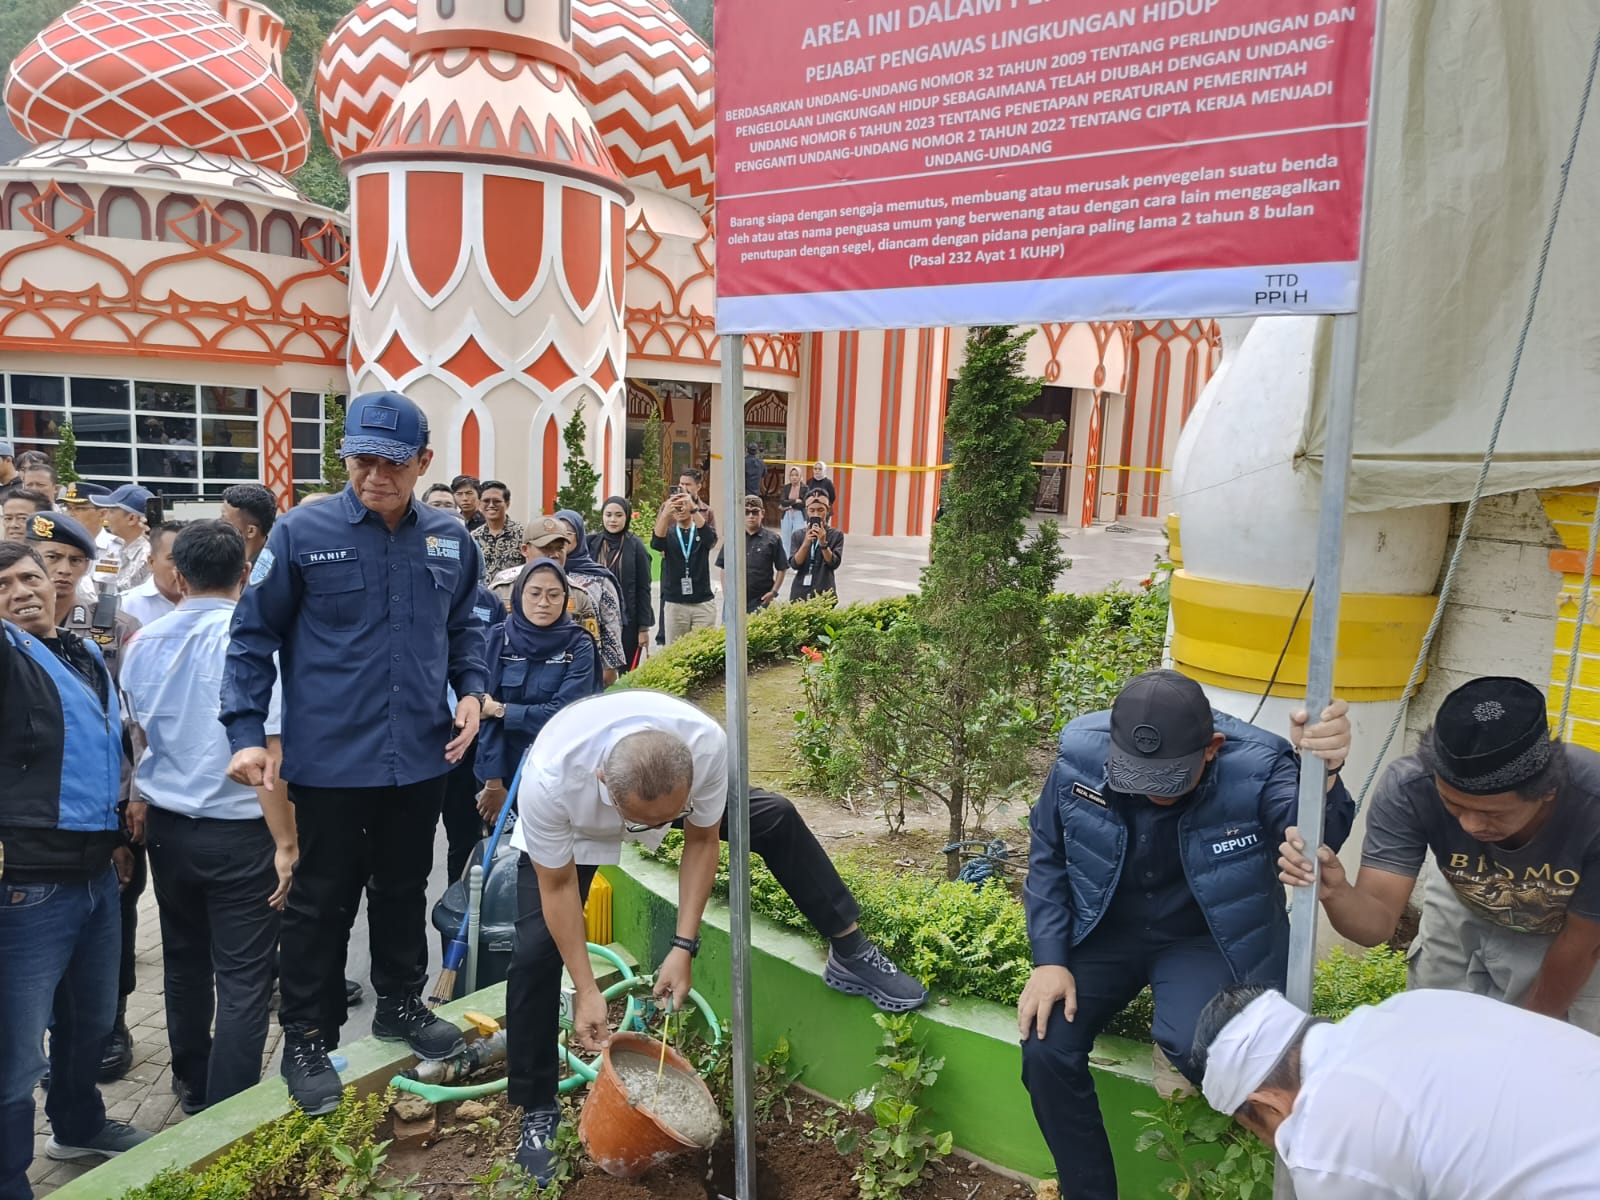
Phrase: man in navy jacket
(1153, 863)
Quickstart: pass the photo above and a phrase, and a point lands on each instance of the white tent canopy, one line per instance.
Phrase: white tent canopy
(1475, 117)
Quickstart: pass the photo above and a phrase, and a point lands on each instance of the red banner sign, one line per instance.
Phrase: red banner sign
(902, 163)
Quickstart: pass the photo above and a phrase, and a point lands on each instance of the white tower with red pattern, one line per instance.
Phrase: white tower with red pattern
(488, 271)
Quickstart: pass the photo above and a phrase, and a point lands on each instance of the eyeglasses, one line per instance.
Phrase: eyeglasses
(639, 827)
(492, 502)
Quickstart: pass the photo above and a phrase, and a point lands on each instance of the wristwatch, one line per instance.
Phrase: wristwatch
(481, 698)
(692, 945)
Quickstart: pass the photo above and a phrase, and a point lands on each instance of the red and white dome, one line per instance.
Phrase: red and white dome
(363, 64)
(166, 72)
(648, 84)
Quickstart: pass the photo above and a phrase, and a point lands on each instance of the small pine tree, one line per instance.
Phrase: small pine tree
(937, 703)
(67, 455)
(583, 481)
(334, 475)
(651, 487)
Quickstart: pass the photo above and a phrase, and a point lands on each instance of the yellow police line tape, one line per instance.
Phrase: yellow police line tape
(838, 466)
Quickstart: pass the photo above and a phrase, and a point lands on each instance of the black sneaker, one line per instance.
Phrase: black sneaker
(116, 1060)
(190, 1099)
(872, 975)
(353, 995)
(313, 1083)
(407, 1019)
(534, 1153)
(113, 1139)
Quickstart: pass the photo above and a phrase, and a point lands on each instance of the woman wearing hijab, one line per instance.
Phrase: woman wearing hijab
(819, 482)
(603, 588)
(794, 506)
(620, 551)
(540, 661)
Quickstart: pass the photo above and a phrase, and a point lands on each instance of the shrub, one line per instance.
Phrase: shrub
(67, 454)
(1124, 635)
(334, 476)
(651, 486)
(777, 632)
(974, 941)
(292, 1156)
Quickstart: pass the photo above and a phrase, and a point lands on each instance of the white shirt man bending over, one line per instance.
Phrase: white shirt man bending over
(1427, 1096)
(607, 769)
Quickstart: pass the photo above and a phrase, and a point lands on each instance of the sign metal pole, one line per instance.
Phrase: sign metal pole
(1338, 446)
(733, 599)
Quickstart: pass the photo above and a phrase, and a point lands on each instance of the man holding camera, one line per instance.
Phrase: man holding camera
(685, 540)
(816, 551)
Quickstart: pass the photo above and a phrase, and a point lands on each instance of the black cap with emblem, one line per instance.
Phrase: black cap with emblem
(1491, 735)
(1160, 728)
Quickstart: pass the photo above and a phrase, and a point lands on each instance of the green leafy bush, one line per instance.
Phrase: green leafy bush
(774, 633)
(1189, 1134)
(974, 941)
(295, 1155)
(1123, 635)
(899, 1147)
(1344, 982)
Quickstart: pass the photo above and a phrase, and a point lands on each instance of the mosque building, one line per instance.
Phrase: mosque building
(530, 235)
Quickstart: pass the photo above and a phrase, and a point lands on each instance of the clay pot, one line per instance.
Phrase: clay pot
(624, 1140)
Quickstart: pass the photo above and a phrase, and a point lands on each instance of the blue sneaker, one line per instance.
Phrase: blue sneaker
(534, 1152)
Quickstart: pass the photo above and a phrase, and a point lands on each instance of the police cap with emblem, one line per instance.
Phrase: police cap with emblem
(56, 527)
(1160, 728)
(386, 424)
(1491, 735)
(83, 493)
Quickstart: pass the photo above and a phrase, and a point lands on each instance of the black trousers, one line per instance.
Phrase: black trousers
(463, 827)
(219, 940)
(380, 838)
(533, 985)
(127, 976)
(630, 648)
(1110, 968)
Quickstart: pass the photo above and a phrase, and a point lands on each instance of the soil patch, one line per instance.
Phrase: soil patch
(795, 1160)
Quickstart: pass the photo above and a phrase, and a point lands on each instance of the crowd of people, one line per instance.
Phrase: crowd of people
(279, 711)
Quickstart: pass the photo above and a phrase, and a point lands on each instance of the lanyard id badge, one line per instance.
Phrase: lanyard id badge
(687, 546)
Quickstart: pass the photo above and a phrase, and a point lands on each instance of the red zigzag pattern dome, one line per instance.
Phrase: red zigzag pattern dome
(167, 72)
(647, 81)
(362, 66)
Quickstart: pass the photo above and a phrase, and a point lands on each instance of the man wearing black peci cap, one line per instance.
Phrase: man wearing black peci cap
(1171, 812)
(1511, 818)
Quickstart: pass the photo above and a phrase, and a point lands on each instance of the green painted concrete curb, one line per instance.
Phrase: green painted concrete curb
(979, 1096)
(200, 1140)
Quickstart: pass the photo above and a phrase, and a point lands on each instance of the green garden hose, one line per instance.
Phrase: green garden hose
(581, 1072)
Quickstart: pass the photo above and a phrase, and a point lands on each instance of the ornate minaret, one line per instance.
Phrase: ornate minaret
(487, 275)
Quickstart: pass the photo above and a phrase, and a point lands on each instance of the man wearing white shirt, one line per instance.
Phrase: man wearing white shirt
(626, 766)
(221, 854)
(160, 594)
(1430, 1094)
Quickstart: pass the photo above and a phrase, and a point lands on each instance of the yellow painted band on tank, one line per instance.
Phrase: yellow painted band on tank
(1174, 543)
(1229, 635)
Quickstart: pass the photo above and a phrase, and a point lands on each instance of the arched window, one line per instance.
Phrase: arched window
(179, 218)
(124, 214)
(241, 218)
(14, 213)
(279, 236)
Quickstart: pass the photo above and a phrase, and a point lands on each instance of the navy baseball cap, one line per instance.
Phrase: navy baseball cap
(1160, 727)
(387, 424)
(130, 497)
(57, 527)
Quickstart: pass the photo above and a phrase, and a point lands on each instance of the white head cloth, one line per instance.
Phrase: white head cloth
(1247, 1049)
